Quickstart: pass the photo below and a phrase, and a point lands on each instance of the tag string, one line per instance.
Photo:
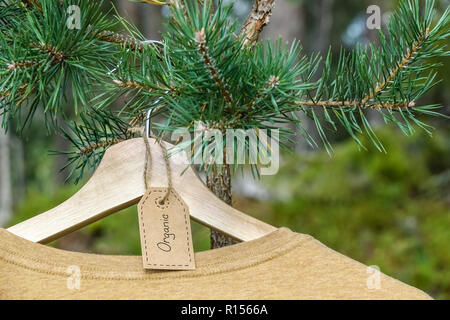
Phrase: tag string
(148, 160)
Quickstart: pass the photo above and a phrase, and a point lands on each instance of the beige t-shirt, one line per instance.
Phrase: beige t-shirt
(280, 265)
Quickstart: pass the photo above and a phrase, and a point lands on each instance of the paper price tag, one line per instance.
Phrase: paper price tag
(165, 230)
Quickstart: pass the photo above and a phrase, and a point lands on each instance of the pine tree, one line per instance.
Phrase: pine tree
(206, 69)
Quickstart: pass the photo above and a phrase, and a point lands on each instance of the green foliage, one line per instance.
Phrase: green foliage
(40, 57)
(9, 12)
(390, 79)
(202, 72)
(241, 88)
(105, 126)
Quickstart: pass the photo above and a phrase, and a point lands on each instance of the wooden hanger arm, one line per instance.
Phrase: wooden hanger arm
(118, 183)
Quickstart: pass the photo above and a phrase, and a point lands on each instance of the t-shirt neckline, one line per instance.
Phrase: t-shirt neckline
(42, 258)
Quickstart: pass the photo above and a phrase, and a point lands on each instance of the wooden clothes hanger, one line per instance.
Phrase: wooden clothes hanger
(118, 183)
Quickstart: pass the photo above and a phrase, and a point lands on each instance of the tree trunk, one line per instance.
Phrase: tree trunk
(219, 182)
(5, 179)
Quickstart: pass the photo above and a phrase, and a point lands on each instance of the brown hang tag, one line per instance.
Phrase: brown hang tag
(165, 229)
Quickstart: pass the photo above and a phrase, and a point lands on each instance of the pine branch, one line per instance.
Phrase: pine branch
(200, 39)
(407, 60)
(272, 83)
(345, 104)
(98, 131)
(106, 35)
(21, 64)
(133, 85)
(9, 12)
(126, 42)
(390, 79)
(55, 54)
(141, 86)
(40, 52)
(256, 20)
(203, 71)
(22, 90)
(86, 150)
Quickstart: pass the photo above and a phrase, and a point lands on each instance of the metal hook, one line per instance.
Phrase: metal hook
(148, 122)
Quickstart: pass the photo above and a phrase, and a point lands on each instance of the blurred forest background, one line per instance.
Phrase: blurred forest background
(391, 210)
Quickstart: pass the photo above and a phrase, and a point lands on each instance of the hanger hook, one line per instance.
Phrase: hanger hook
(148, 116)
(148, 122)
